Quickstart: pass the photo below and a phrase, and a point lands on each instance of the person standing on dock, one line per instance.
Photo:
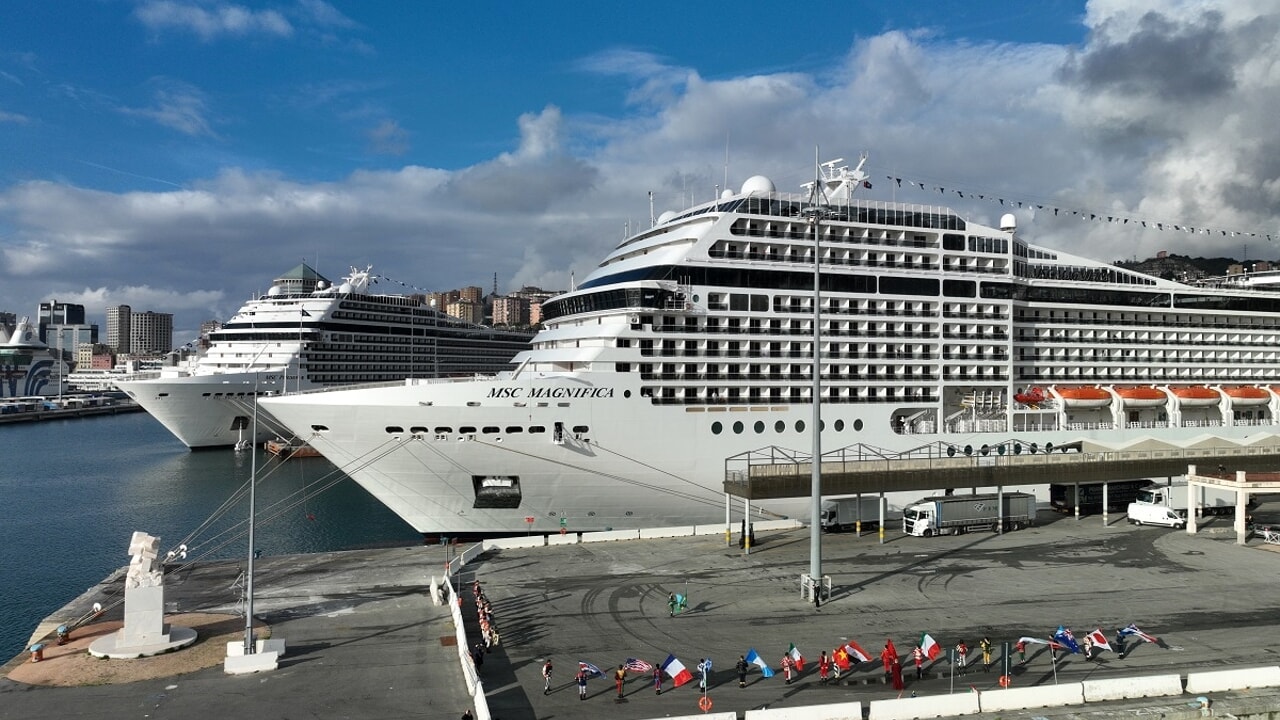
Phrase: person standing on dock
(985, 644)
(546, 677)
(741, 667)
(657, 678)
(618, 676)
(581, 677)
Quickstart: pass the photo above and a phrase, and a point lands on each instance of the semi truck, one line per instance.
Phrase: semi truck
(843, 514)
(1119, 494)
(1213, 501)
(956, 514)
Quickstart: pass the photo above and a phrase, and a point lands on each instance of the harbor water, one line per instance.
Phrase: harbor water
(73, 491)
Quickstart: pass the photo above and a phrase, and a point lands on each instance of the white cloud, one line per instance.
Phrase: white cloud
(211, 20)
(178, 106)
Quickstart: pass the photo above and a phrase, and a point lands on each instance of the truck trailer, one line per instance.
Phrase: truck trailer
(843, 514)
(1213, 501)
(1119, 494)
(956, 514)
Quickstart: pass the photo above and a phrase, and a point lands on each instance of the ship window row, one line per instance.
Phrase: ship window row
(1072, 273)
(781, 396)
(830, 257)
(798, 229)
(1154, 321)
(1148, 356)
(1141, 375)
(443, 431)
(927, 217)
(957, 264)
(989, 245)
(834, 372)
(1152, 338)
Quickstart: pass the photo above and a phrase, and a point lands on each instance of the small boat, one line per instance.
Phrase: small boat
(1084, 397)
(1033, 397)
(1196, 396)
(1142, 396)
(286, 449)
(1247, 395)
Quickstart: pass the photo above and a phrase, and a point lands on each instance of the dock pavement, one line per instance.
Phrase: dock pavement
(365, 639)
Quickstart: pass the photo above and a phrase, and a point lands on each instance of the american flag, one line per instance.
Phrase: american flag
(637, 665)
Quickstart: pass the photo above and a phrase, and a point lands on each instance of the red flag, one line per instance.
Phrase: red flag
(841, 658)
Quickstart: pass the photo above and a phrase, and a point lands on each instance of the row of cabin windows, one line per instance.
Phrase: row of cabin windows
(470, 430)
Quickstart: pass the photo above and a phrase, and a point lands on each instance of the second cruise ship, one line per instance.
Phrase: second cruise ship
(308, 333)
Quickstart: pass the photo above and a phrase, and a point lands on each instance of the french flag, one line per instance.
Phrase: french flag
(676, 670)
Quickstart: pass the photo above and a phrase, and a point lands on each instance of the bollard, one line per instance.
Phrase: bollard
(37, 652)
(64, 634)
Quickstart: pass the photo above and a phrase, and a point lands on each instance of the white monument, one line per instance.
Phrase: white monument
(144, 632)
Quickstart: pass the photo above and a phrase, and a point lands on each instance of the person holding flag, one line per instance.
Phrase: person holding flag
(1098, 640)
(1066, 640)
(786, 667)
(796, 657)
(839, 662)
(824, 667)
(618, 676)
(887, 657)
(918, 656)
(639, 666)
(741, 668)
(704, 667)
(581, 677)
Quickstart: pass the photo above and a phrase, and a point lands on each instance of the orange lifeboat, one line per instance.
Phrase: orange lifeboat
(1142, 396)
(1033, 397)
(1247, 395)
(1084, 397)
(1196, 396)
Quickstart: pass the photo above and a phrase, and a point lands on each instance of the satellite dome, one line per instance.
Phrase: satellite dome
(320, 284)
(726, 194)
(758, 184)
(346, 288)
(666, 216)
(275, 290)
(1008, 222)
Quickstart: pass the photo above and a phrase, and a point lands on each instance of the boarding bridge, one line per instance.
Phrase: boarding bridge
(774, 472)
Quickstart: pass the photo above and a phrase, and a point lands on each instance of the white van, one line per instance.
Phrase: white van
(1147, 514)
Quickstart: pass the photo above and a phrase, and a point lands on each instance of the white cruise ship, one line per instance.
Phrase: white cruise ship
(307, 333)
(692, 343)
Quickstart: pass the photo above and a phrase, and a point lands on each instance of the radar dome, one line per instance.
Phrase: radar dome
(275, 290)
(1008, 222)
(758, 184)
(666, 216)
(346, 288)
(726, 194)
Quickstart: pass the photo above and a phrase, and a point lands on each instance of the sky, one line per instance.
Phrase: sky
(176, 155)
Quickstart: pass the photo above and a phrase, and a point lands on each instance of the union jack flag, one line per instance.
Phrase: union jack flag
(637, 665)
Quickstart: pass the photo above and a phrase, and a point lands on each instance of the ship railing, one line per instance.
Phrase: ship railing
(1147, 424)
(1090, 426)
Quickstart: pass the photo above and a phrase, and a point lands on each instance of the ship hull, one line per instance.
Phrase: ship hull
(209, 411)
(623, 462)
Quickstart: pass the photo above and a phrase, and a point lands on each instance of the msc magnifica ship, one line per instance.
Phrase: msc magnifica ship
(692, 343)
(307, 333)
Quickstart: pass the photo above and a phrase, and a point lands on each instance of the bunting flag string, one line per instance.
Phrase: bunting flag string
(1082, 214)
(376, 278)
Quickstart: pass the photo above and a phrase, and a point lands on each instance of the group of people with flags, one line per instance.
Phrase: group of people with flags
(848, 655)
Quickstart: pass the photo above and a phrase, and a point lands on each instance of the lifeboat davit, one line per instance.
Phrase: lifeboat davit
(1142, 396)
(1247, 395)
(1084, 397)
(1033, 396)
(1196, 396)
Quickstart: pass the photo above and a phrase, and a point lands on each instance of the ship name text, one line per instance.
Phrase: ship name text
(557, 393)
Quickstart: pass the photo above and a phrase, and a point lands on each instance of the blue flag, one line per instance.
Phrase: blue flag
(754, 658)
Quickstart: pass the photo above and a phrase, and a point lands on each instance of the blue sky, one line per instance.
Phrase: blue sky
(176, 155)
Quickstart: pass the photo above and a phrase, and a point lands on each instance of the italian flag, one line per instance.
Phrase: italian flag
(929, 646)
(796, 657)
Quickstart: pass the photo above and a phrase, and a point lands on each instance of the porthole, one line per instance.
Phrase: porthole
(535, 429)
(591, 513)
(799, 426)
(822, 425)
(627, 513)
(968, 449)
(443, 430)
(779, 426)
(951, 451)
(320, 428)
(840, 426)
(737, 428)
(552, 513)
(716, 428)
(393, 429)
(759, 426)
(491, 429)
(626, 393)
(514, 429)
(466, 430)
(857, 425)
(418, 430)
